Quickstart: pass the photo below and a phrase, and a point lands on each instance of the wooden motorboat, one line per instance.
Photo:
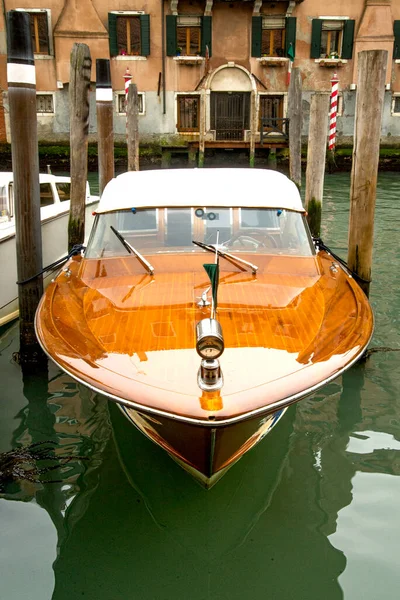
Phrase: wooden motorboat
(202, 307)
(54, 215)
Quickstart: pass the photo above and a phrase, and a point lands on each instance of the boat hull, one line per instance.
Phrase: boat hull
(205, 452)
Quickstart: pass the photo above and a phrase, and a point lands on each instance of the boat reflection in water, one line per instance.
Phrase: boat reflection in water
(204, 315)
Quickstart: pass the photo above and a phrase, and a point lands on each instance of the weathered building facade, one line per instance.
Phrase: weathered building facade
(208, 71)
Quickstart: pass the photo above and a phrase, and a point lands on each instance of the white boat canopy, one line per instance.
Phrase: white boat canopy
(253, 188)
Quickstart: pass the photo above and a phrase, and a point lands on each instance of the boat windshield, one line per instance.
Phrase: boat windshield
(238, 230)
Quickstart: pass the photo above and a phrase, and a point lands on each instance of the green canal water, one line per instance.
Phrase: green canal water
(311, 513)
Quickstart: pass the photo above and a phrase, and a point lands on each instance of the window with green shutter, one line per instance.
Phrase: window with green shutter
(316, 30)
(396, 46)
(129, 34)
(332, 38)
(188, 35)
(348, 39)
(256, 34)
(145, 34)
(171, 35)
(290, 39)
(272, 35)
(206, 36)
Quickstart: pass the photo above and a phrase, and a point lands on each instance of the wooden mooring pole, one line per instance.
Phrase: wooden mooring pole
(25, 162)
(295, 115)
(105, 129)
(132, 128)
(316, 158)
(81, 63)
(364, 174)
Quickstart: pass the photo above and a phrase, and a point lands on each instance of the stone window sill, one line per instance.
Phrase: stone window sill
(272, 61)
(331, 62)
(128, 57)
(189, 60)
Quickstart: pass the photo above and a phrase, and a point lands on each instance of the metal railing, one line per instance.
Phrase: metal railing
(273, 128)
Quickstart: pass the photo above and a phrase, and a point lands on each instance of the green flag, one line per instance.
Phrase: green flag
(212, 271)
(290, 52)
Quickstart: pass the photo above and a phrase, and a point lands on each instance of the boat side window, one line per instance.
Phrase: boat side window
(138, 228)
(217, 219)
(64, 191)
(251, 218)
(46, 195)
(4, 208)
(178, 227)
(140, 221)
(272, 230)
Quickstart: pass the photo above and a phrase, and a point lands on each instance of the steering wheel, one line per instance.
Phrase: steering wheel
(247, 239)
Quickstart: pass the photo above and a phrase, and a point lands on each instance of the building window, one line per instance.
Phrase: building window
(129, 33)
(128, 36)
(121, 103)
(273, 36)
(332, 38)
(396, 105)
(40, 27)
(271, 107)
(188, 36)
(44, 104)
(188, 112)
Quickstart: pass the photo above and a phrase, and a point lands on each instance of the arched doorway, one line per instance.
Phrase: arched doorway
(230, 103)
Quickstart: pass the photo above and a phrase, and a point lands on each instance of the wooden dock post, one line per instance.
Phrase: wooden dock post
(202, 128)
(253, 129)
(105, 129)
(316, 158)
(79, 124)
(295, 115)
(364, 174)
(132, 128)
(25, 163)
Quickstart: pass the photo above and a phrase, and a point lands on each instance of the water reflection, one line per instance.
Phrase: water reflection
(61, 432)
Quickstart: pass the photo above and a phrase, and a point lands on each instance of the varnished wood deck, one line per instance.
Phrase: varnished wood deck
(287, 329)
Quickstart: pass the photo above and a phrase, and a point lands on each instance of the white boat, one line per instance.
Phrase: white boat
(54, 212)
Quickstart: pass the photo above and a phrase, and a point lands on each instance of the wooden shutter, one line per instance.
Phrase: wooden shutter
(171, 35)
(206, 35)
(396, 47)
(112, 34)
(145, 35)
(290, 37)
(256, 34)
(348, 39)
(315, 50)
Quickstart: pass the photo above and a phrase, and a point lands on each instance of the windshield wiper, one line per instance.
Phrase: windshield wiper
(133, 250)
(227, 255)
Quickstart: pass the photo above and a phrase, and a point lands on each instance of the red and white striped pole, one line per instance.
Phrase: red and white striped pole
(333, 112)
(128, 81)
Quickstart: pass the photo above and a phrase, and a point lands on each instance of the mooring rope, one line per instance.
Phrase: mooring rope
(76, 249)
(319, 245)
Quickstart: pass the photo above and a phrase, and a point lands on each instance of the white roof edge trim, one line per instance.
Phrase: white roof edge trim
(232, 187)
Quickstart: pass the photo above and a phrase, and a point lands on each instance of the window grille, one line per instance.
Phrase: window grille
(188, 112)
(122, 103)
(44, 103)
